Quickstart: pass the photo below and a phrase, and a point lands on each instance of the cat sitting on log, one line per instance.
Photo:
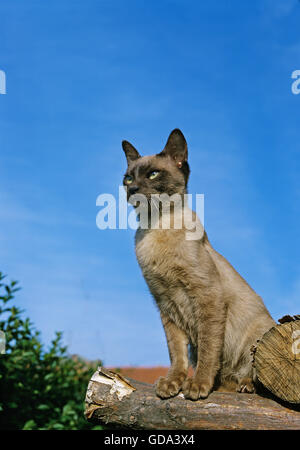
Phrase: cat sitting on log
(208, 311)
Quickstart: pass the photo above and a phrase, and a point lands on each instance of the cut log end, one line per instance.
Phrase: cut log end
(277, 360)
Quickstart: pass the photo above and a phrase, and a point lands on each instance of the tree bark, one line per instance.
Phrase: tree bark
(120, 403)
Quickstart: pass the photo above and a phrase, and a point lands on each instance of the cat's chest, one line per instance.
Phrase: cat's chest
(161, 257)
(157, 250)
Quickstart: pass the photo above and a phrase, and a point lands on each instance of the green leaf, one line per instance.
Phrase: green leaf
(43, 407)
(58, 426)
(30, 425)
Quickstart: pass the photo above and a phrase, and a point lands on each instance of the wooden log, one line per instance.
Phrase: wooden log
(277, 359)
(117, 402)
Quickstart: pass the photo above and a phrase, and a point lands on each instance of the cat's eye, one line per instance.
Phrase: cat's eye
(153, 175)
(128, 179)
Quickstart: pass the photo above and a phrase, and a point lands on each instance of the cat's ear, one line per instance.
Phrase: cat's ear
(176, 147)
(130, 152)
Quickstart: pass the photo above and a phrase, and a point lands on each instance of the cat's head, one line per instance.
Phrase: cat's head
(164, 173)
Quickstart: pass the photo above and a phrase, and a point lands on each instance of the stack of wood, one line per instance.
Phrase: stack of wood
(113, 400)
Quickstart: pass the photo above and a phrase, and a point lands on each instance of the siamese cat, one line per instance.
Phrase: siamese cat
(208, 311)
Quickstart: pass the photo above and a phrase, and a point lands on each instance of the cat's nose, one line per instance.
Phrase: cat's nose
(133, 190)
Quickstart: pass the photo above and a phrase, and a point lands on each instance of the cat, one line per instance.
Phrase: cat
(210, 315)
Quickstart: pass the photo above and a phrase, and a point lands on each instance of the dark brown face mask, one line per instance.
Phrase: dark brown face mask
(165, 172)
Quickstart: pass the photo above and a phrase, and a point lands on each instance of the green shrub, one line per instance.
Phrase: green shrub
(39, 389)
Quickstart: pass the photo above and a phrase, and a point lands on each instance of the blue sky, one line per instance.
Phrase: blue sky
(83, 76)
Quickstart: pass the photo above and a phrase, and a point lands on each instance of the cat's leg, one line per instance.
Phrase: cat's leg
(210, 340)
(245, 374)
(177, 340)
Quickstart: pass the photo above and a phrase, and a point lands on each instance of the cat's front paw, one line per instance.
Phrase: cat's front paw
(169, 387)
(193, 389)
